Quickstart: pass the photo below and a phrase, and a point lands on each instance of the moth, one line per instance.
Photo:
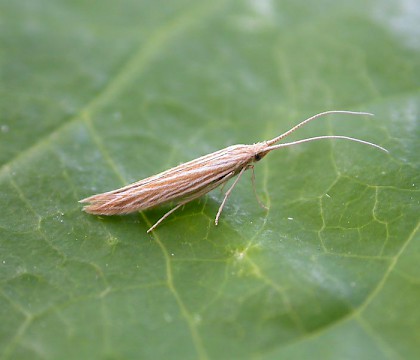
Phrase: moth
(188, 181)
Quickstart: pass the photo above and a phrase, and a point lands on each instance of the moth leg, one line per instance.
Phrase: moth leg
(265, 207)
(216, 221)
(166, 215)
(222, 187)
(195, 196)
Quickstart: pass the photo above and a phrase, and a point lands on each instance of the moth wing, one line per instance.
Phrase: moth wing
(186, 181)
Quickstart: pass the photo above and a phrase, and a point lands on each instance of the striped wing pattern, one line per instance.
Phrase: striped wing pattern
(184, 182)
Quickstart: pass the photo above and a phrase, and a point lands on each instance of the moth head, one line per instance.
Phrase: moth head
(258, 156)
(260, 151)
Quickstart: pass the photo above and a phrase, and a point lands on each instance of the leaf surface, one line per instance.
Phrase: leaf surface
(96, 95)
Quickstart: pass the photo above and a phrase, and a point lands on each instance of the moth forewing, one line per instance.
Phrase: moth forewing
(180, 183)
(190, 180)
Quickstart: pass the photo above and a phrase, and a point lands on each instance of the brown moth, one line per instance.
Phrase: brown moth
(188, 181)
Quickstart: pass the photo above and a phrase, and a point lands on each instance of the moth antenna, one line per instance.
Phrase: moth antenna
(304, 122)
(273, 147)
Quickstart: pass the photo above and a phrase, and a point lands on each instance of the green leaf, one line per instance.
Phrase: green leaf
(98, 94)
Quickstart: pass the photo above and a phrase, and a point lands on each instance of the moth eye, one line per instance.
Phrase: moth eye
(257, 157)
